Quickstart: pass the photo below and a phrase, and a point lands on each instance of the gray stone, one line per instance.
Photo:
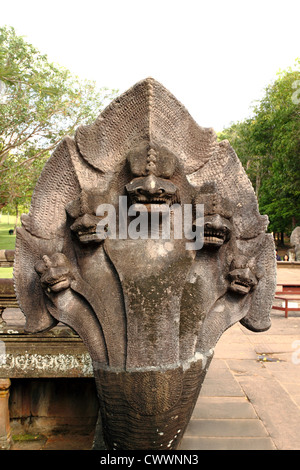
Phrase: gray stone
(226, 428)
(223, 408)
(295, 242)
(228, 443)
(284, 432)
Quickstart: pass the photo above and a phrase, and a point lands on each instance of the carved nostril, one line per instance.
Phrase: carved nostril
(156, 191)
(160, 191)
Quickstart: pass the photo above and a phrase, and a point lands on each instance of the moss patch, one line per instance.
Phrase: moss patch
(28, 437)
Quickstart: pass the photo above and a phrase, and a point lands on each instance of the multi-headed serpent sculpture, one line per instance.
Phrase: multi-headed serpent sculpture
(150, 309)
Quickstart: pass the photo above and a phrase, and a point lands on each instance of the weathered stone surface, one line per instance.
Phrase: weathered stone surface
(7, 297)
(295, 242)
(55, 353)
(150, 309)
(5, 436)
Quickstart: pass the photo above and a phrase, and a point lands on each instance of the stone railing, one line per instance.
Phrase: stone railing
(288, 264)
(7, 297)
(58, 353)
(7, 258)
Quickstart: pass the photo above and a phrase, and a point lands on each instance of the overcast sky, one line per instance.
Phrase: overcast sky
(216, 57)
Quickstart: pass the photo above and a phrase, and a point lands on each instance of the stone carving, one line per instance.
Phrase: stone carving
(150, 309)
(295, 242)
(26, 363)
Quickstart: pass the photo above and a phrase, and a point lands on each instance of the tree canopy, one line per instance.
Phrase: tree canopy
(40, 103)
(268, 144)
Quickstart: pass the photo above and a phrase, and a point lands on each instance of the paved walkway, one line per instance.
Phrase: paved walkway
(250, 399)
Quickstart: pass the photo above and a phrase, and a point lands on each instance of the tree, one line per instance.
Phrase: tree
(240, 135)
(268, 144)
(17, 187)
(42, 103)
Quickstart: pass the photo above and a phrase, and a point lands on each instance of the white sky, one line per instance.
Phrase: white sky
(216, 57)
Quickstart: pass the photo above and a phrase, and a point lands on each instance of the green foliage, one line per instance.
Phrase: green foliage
(18, 180)
(40, 103)
(268, 145)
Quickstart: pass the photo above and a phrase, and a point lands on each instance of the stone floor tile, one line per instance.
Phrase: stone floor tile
(213, 443)
(223, 407)
(225, 428)
(69, 442)
(276, 408)
(226, 388)
(236, 351)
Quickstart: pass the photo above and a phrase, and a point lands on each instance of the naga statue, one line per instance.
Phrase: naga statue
(144, 236)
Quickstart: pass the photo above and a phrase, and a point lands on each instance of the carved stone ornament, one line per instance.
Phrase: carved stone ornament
(149, 308)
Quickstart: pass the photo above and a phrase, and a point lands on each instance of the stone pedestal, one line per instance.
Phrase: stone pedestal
(5, 436)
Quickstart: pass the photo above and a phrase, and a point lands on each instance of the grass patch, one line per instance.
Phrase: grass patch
(6, 273)
(7, 241)
(7, 219)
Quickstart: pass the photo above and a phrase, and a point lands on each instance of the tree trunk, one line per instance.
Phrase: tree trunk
(294, 222)
(257, 182)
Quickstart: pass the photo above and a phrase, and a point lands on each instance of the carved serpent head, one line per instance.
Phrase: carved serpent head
(55, 272)
(242, 277)
(152, 168)
(84, 210)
